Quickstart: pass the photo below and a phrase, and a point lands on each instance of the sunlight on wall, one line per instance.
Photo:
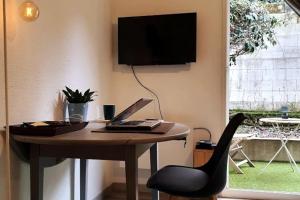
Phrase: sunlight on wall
(70, 47)
(193, 94)
(2, 114)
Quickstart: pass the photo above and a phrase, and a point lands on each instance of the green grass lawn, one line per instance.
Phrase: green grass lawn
(279, 176)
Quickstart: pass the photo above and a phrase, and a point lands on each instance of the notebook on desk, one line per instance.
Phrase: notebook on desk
(119, 122)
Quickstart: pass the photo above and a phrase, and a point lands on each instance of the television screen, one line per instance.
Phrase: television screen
(157, 40)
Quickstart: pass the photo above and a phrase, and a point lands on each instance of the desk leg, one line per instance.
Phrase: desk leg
(36, 173)
(131, 167)
(154, 167)
(83, 174)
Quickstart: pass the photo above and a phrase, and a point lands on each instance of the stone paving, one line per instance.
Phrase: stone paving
(269, 132)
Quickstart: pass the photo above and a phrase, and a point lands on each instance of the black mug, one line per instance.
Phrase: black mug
(109, 111)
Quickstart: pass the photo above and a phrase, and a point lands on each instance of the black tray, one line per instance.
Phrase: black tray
(54, 128)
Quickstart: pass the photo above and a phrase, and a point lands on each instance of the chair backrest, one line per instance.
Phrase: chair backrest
(216, 167)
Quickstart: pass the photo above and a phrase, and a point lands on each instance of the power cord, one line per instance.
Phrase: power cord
(149, 90)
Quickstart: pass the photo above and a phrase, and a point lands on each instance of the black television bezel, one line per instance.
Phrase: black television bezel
(193, 57)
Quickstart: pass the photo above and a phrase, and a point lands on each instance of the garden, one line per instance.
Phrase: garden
(264, 78)
(260, 148)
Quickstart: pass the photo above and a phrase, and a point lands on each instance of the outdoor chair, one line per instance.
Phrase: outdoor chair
(205, 181)
(237, 148)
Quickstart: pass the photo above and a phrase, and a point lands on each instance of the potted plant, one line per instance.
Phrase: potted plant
(77, 103)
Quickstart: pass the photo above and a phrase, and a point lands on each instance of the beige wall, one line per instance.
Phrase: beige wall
(193, 94)
(2, 166)
(2, 82)
(2, 116)
(70, 44)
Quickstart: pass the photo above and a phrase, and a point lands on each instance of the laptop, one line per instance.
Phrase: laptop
(119, 122)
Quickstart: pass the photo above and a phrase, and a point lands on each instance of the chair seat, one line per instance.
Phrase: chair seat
(178, 180)
(206, 181)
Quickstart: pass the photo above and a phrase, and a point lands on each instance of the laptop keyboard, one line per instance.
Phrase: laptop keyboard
(132, 122)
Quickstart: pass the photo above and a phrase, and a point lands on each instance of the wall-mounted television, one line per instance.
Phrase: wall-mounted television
(157, 40)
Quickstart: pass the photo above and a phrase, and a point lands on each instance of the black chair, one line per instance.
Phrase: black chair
(205, 181)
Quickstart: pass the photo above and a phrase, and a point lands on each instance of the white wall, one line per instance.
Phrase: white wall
(70, 44)
(192, 94)
(269, 78)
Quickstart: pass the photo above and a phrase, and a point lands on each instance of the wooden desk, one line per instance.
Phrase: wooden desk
(85, 144)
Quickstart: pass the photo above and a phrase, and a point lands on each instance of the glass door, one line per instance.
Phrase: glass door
(263, 82)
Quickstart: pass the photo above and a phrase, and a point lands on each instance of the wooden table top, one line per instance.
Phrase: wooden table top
(86, 137)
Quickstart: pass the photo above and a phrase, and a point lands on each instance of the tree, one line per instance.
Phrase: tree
(251, 27)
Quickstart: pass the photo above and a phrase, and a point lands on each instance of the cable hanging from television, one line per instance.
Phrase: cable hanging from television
(149, 90)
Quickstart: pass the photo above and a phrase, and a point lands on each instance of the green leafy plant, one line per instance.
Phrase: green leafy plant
(78, 97)
(252, 27)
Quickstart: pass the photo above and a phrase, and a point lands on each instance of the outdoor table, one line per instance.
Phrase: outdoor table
(276, 122)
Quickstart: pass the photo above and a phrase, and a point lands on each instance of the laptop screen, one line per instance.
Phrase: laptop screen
(131, 109)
